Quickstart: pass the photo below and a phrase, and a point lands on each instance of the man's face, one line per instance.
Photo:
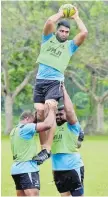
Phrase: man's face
(60, 117)
(62, 33)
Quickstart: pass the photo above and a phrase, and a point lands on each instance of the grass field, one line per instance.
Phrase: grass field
(95, 155)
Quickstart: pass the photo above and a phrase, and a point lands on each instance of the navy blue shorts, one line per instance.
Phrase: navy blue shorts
(27, 181)
(68, 181)
(47, 89)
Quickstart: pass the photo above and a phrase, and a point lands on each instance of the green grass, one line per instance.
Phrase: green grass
(95, 155)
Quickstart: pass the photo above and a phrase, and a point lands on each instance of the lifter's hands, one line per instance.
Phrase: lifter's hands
(61, 12)
(52, 104)
(75, 15)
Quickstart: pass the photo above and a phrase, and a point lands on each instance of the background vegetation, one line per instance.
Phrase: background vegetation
(86, 75)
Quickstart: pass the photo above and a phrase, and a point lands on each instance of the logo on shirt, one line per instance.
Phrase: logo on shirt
(58, 137)
(54, 51)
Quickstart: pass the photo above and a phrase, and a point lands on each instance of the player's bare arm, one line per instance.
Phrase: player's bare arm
(49, 26)
(80, 37)
(69, 109)
(48, 122)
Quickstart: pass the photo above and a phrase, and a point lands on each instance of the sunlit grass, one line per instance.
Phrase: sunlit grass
(95, 155)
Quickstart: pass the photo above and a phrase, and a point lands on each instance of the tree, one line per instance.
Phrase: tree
(18, 57)
(96, 118)
(89, 65)
(22, 24)
(10, 97)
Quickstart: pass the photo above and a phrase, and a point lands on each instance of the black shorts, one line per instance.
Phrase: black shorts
(27, 181)
(47, 89)
(82, 174)
(68, 181)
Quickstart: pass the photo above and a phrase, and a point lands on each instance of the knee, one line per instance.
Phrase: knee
(51, 103)
(32, 192)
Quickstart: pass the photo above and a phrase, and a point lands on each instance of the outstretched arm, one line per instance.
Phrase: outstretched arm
(49, 26)
(79, 38)
(69, 109)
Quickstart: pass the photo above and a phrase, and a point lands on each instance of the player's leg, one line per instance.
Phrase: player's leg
(52, 96)
(75, 192)
(62, 182)
(82, 177)
(66, 194)
(50, 133)
(20, 193)
(39, 100)
(19, 189)
(40, 118)
(77, 187)
(68, 183)
(31, 192)
(30, 183)
(46, 146)
(55, 179)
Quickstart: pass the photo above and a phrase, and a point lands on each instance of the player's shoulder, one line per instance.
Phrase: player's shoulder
(72, 43)
(75, 128)
(28, 126)
(74, 125)
(72, 47)
(28, 130)
(47, 37)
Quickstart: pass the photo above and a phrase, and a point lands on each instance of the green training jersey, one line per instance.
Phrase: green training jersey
(55, 54)
(65, 141)
(22, 149)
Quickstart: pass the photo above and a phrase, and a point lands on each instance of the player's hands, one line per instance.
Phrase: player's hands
(81, 136)
(61, 12)
(76, 13)
(52, 104)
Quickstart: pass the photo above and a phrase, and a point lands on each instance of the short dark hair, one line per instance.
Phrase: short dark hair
(60, 107)
(64, 23)
(26, 114)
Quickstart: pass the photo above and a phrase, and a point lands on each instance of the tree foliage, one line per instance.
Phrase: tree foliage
(22, 24)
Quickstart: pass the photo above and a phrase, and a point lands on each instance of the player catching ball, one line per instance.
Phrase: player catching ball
(56, 51)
